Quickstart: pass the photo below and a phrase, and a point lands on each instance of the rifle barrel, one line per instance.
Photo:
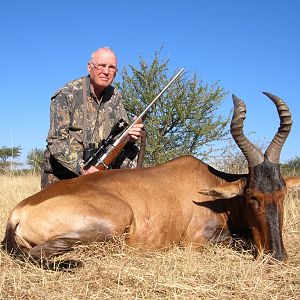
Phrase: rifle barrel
(162, 91)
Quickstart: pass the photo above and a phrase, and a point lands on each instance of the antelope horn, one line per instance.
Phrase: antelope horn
(273, 151)
(253, 154)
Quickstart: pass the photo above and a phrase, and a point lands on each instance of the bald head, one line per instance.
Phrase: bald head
(104, 51)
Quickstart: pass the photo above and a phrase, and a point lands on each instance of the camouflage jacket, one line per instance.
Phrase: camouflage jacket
(71, 129)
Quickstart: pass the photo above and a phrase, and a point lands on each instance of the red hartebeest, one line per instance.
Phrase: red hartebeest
(183, 201)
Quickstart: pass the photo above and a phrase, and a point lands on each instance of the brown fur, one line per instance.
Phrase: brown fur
(183, 201)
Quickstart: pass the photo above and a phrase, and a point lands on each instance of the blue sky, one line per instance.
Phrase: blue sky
(248, 46)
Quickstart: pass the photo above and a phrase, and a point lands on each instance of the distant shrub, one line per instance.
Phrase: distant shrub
(291, 167)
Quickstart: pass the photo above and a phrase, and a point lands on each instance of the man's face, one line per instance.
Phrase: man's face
(102, 69)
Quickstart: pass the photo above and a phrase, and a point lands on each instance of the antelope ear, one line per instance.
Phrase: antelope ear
(227, 190)
(292, 182)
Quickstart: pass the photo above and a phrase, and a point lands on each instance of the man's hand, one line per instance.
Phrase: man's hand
(90, 170)
(135, 131)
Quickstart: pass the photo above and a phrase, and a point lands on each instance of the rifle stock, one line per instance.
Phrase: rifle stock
(107, 158)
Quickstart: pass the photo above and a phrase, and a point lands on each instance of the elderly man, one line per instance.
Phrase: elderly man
(82, 113)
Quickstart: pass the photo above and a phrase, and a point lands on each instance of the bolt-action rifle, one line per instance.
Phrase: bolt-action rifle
(111, 147)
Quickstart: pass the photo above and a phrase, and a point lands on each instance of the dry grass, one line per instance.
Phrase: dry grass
(114, 271)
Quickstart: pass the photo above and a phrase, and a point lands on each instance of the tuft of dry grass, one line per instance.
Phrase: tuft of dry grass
(115, 271)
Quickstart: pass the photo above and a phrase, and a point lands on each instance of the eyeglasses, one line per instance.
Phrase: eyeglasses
(103, 67)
